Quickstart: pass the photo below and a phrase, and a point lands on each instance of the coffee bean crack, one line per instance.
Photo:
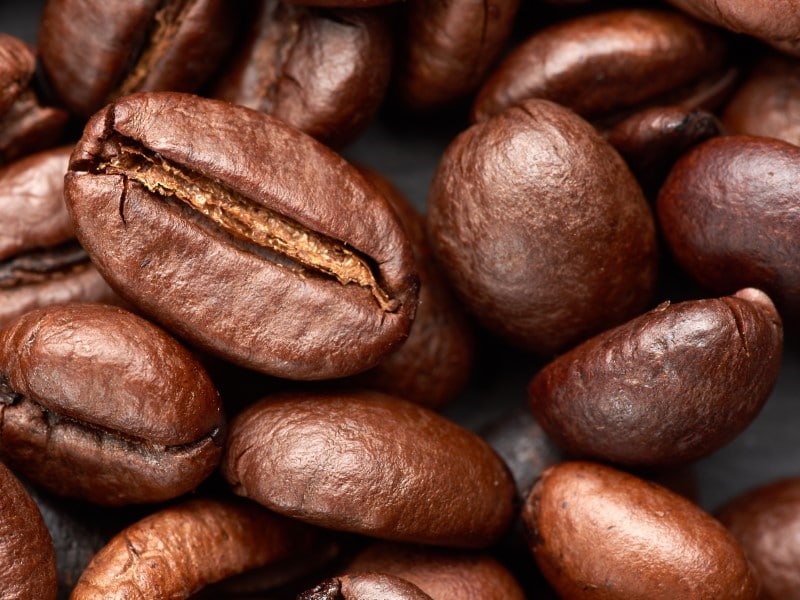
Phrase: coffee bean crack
(42, 264)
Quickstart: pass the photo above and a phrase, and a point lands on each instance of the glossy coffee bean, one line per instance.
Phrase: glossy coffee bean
(601, 533)
(371, 464)
(729, 213)
(41, 263)
(99, 404)
(666, 388)
(94, 51)
(324, 73)
(369, 586)
(248, 238)
(175, 552)
(25, 125)
(541, 228)
(604, 62)
(27, 559)
(766, 522)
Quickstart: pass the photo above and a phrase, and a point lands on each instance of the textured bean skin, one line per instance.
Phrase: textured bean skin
(665, 388)
(601, 533)
(729, 213)
(604, 62)
(541, 227)
(176, 551)
(99, 404)
(766, 522)
(250, 304)
(368, 586)
(370, 463)
(27, 559)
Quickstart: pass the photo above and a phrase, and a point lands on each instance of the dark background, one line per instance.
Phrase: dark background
(407, 151)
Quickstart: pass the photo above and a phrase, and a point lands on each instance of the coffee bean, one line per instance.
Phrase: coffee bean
(369, 586)
(248, 238)
(99, 404)
(599, 532)
(541, 227)
(371, 464)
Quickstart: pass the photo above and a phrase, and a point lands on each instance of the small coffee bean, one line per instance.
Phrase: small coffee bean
(99, 404)
(368, 586)
(248, 238)
(601, 533)
(371, 464)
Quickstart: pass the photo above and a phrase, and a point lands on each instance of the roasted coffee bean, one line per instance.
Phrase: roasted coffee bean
(323, 72)
(99, 404)
(766, 522)
(605, 62)
(666, 388)
(248, 238)
(94, 51)
(601, 533)
(41, 263)
(730, 212)
(372, 464)
(768, 103)
(25, 125)
(449, 47)
(176, 551)
(368, 586)
(27, 559)
(541, 227)
(442, 574)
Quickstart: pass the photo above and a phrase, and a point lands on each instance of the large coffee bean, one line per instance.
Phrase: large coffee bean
(99, 404)
(543, 231)
(371, 464)
(600, 533)
(248, 238)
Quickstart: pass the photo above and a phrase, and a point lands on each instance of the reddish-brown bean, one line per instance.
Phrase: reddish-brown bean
(367, 586)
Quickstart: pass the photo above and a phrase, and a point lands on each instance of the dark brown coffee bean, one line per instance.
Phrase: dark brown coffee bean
(666, 388)
(371, 464)
(600, 533)
(99, 404)
(25, 125)
(730, 213)
(324, 72)
(766, 522)
(604, 62)
(93, 51)
(248, 238)
(368, 586)
(176, 551)
(449, 47)
(768, 103)
(442, 574)
(544, 232)
(27, 559)
(41, 263)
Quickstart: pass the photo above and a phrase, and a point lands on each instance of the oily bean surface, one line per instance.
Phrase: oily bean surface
(542, 229)
(249, 239)
(666, 388)
(601, 533)
(99, 404)
(370, 463)
(368, 586)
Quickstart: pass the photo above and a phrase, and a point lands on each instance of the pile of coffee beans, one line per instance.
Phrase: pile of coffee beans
(236, 361)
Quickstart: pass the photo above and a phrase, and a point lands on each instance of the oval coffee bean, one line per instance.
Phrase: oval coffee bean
(600, 533)
(99, 404)
(368, 586)
(371, 464)
(324, 73)
(666, 388)
(176, 551)
(730, 212)
(93, 52)
(604, 62)
(541, 227)
(248, 238)
(27, 558)
(766, 522)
